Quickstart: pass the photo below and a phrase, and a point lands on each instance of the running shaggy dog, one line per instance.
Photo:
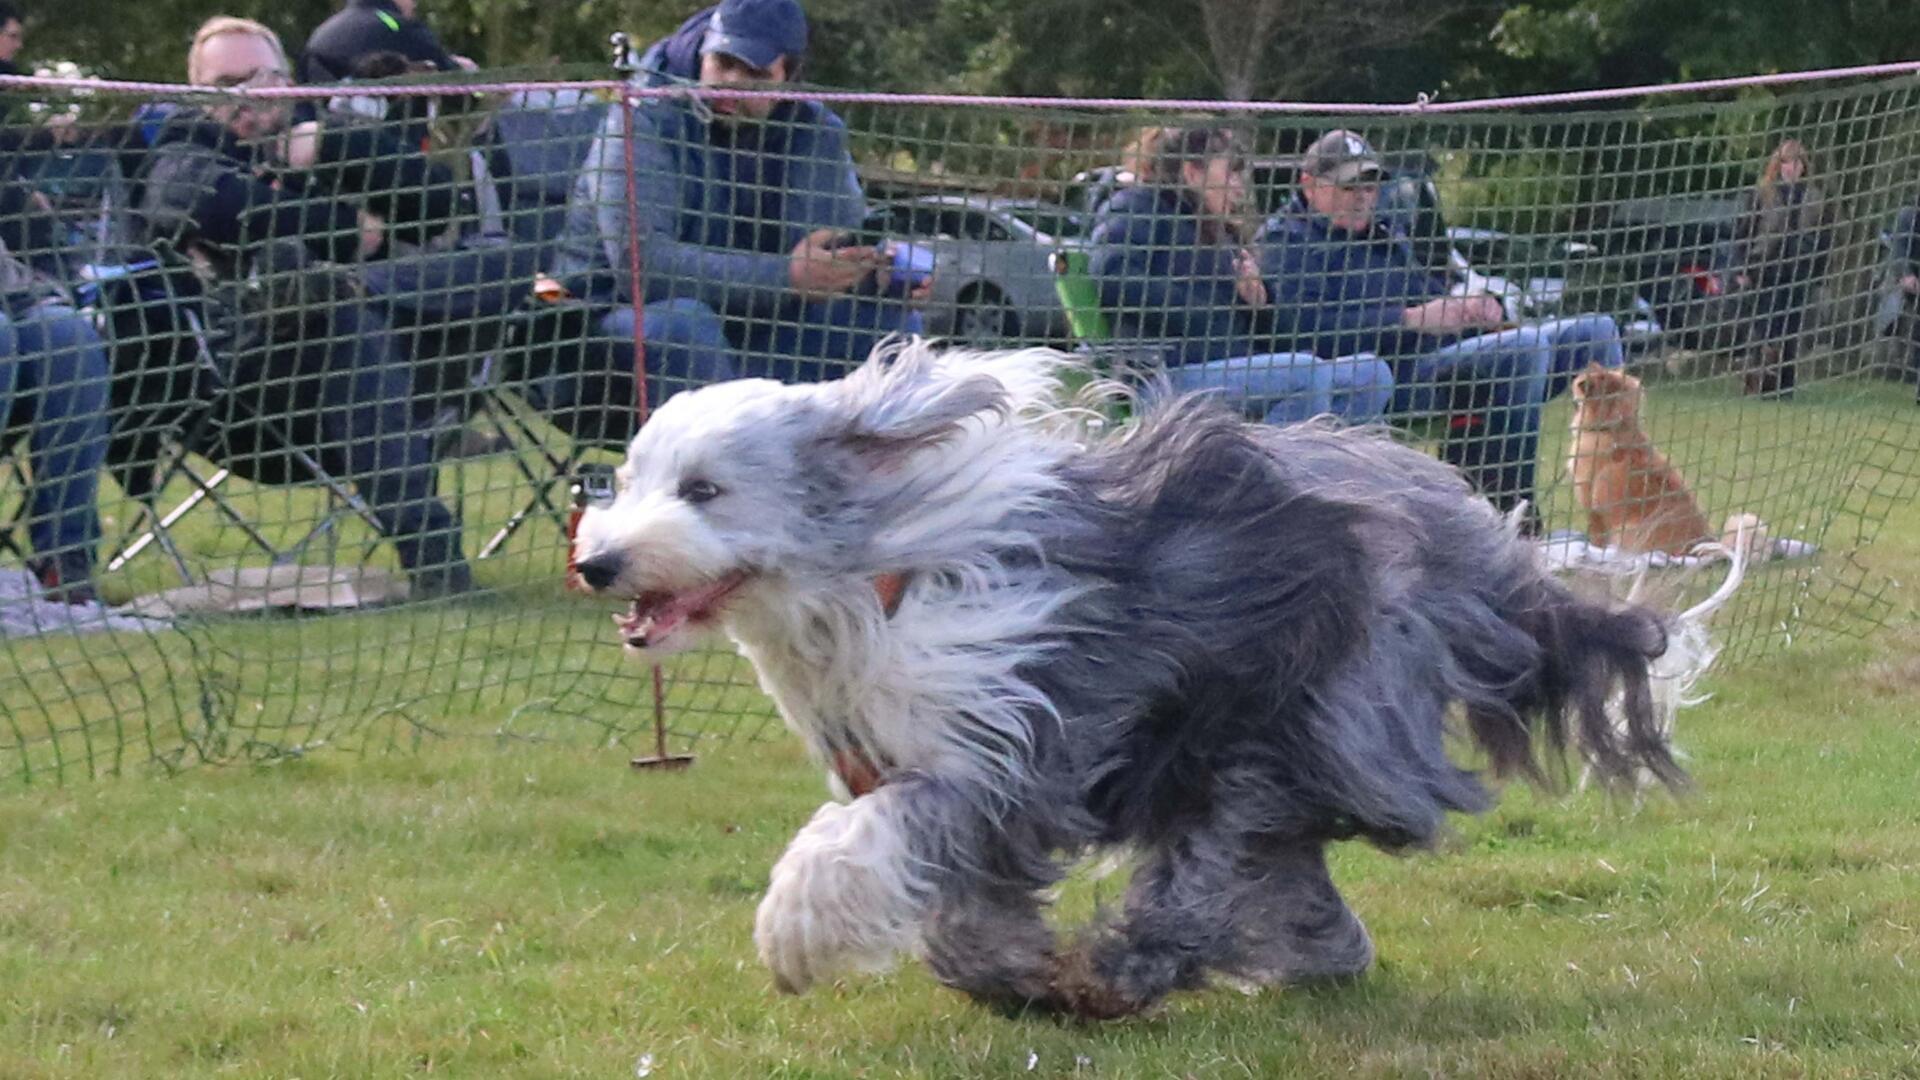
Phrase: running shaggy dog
(1216, 646)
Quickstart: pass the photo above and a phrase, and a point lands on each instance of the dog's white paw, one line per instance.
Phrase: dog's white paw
(842, 899)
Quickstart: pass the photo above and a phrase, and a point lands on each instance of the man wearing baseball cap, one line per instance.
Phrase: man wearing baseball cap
(1345, 280)
(747, 206)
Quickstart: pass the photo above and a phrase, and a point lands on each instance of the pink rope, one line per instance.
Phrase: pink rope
(855, 97)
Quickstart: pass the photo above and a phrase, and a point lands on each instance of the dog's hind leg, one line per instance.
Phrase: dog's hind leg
(994, 945)
(1183, 918)
(1302, 929)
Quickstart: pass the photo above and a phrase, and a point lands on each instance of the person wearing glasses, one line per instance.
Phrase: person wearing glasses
(1345, 281)
(1174, 275)
(238, 191)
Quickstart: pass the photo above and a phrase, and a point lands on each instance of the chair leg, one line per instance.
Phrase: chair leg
(559, 467)
(159, 531)
(10, 534)
(541, 498)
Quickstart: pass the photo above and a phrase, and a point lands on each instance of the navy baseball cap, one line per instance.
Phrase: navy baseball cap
(757, 31)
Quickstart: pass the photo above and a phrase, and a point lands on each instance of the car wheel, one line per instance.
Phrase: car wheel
(983, 315)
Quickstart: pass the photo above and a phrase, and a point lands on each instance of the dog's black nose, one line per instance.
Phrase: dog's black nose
(600, 570)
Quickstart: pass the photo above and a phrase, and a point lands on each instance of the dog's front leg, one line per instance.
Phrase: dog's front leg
(848, 895)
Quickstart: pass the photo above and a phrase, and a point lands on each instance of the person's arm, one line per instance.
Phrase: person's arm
(190, 191)
(727, 280)
(417, 41)
(1746, 230)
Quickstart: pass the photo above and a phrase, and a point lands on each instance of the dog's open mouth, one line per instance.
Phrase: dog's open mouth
(656, 615)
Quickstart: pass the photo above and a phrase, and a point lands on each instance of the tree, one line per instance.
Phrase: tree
(1288, 49)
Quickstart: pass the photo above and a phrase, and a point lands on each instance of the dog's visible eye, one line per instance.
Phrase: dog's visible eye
(698, 491)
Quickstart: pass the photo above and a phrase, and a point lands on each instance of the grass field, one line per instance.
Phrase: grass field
(499, 906)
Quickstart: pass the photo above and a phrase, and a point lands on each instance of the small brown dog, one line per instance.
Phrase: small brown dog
(1634, 498)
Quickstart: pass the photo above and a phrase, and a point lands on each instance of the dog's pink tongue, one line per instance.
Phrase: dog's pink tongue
(655, 615)
(642, 622)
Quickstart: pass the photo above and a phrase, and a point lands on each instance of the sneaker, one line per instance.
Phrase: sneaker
(67, 578)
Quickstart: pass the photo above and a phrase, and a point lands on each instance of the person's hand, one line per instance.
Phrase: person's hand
(1910, 284)
(1248, 285)
(64, 128)
(1447, 314)
(300, 146)
(1741, 281)
(465, 64)
(818, 270)
(373, 234)
(883, 278)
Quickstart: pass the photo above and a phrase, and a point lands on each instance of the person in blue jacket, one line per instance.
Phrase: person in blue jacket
(1345, 281)
(747, 213)
(1173, 272)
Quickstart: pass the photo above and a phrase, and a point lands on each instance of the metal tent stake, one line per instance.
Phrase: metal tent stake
(661, 759)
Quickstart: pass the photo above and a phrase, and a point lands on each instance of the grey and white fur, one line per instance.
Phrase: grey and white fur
(1216, 646)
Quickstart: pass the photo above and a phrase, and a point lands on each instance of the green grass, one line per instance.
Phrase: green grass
(518, 902)
(481, 911)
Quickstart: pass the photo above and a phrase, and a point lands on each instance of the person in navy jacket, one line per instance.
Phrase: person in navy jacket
(1345, 281)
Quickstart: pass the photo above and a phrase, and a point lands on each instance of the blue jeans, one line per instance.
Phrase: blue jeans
(53, 366)
(1285, 388)
(592, 398)
(1520, 370)
(1523, 367)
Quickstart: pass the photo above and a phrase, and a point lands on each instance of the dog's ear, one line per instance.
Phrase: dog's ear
(893, 406)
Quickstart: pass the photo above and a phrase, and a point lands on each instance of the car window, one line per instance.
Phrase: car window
(928, 221)
(1055, 221)
(974, 225)
(904, 221)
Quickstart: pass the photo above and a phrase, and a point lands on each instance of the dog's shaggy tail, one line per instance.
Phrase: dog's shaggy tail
(1590, 656)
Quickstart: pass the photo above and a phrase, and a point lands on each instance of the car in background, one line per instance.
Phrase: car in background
(993, 270)
(1674, 251)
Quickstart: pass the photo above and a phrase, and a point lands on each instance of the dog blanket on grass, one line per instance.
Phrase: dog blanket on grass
(25, 613)
(1570, 551)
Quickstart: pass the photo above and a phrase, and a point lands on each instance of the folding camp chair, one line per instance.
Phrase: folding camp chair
(524, 185)
(1125, 361)
(187, 397)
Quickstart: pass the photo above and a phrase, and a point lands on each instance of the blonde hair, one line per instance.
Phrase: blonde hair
(223, 25)
(1768, 189)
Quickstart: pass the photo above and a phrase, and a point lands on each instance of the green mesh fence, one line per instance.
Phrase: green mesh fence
(296, 387)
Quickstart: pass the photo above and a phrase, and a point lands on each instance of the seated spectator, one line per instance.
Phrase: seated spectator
(1172, 271)
(236, 190)
(747, 211)
(338, 46)
(54, 380)
(1345, 282)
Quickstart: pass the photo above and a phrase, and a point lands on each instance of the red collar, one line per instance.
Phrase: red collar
(854, 768)
(891, 588)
